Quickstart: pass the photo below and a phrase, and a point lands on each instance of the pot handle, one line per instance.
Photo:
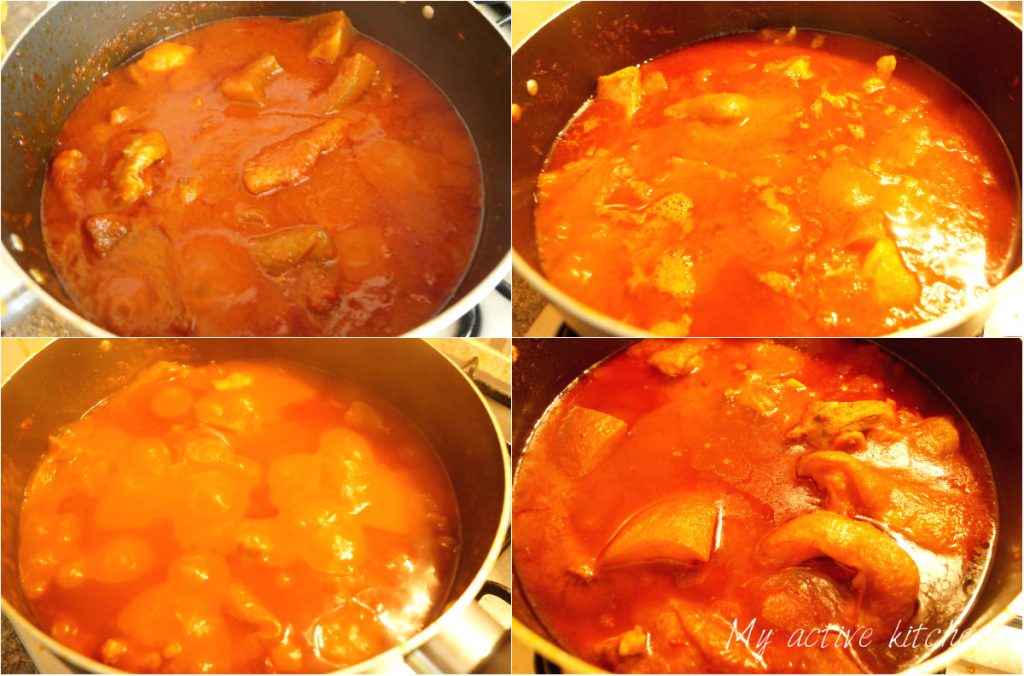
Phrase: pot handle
(18, 303)
(470, 641)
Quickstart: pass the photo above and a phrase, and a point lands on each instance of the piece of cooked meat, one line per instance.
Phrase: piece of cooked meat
(106, 230)
(160, 58)
(142, 152)
(713, 634)
(289, 161)
(279, 252)
(622, 87)
(843, 424)
(894, 284)
(333, 35)
(720, 108)
(634, 642)
(242, 604)
(587, 437)
(356, 74)
(681, 358)
(248, 84)
(936, 436)
(887, 579)
(905, 506)
(679, 530)
(67, 170)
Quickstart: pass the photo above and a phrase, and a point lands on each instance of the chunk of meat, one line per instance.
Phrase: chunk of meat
(884, 68)
(653, 82)
(120, 115)
(867, 229)
(720, 108)
(587, 438)
(777, 36)
(936, 436)
(887, 579)
(679, 530)
(675, 210)
(681, 358)
(847, 188)
(277, 253)
(161, 58)
(893, 283)
(248, 84)
(355, 76)
(673, 274)
(120, 560)
(68, 170)
(333, 35)
(903, 505)
(634, 642)
(713, 634)
(622, 87)
(241, 604)
(351, 634)
(798, 68)
(106, 230)
(289, 161)
(885, 65)
(797, 598)
(843, 424)
(772, 218)
(141, 153)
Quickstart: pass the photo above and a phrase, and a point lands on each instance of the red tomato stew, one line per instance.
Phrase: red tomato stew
(777, 184)
(682, 492)
(241, 517)
(263, 176)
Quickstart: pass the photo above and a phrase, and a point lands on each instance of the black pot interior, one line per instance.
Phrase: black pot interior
(969, 42)
(75, 43)
(981, 377)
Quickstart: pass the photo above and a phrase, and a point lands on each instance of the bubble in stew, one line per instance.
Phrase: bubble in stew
(263, 176)
(778, 183)
(733, 506)
(237, 517)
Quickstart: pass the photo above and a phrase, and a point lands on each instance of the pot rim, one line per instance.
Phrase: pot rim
(610, 326)
(450, 313)
(382, 662)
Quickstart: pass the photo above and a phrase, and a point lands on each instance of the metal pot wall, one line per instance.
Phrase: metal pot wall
(73, 44)
(982, 377)
(69, 376)
(969, 42)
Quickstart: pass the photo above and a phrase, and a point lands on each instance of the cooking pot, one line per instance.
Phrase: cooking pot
(981, 377)
(65, 379)
(970, 43)
(73, 44)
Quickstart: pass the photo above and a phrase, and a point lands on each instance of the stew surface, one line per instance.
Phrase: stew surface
(263, 176)
(238, 517)
(777, 184)
(682, 489)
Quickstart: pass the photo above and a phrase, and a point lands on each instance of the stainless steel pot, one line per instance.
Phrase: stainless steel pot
(983, 379)
(66, 378)
(969, 42)
(73, 44)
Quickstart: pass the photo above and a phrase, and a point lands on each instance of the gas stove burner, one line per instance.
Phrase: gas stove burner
(543, 666)
(469, 324)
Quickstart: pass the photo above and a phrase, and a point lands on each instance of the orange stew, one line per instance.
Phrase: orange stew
(239, 517)
(777, 184)
(263, 176)
(820, 490)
